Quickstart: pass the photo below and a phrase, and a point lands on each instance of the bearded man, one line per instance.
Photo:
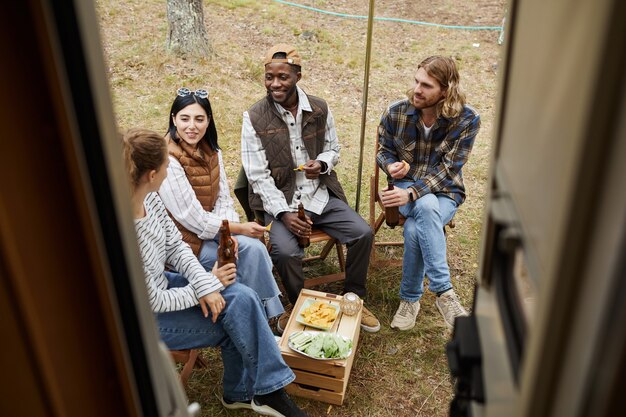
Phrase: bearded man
(424, 141)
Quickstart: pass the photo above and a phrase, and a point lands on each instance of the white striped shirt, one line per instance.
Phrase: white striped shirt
(160, 243)
(181, 201)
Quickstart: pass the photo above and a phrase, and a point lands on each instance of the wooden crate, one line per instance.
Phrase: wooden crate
(321, 380)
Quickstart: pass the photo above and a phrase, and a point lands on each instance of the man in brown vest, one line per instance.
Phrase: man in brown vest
(289, 148)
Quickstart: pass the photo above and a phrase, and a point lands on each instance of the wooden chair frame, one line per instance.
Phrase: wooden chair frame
(190, 359)
(376, 221)
(321, 236)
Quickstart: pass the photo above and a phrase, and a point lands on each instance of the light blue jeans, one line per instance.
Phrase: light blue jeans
(425, 244)
(252, 361)
(254, 270)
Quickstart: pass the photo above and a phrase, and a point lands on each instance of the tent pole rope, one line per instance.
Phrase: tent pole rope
(368, 49)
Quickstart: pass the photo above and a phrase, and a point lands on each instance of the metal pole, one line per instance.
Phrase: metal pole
(368, 48)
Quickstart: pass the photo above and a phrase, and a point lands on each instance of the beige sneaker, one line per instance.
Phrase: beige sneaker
(450, 307)
(406, 315)
(369, 322)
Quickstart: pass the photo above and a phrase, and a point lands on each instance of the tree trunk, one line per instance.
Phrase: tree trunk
(187, 35)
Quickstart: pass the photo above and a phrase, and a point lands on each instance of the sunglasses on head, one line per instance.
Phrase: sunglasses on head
(184, 92)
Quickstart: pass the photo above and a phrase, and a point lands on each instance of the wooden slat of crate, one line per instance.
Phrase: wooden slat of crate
(321, 380)
(313, 393)
(335, 369)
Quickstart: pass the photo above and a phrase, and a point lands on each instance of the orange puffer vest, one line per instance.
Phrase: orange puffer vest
(203, 172)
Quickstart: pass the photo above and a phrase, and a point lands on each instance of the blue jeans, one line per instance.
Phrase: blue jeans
(254, 270)
(425, 244)
(252, 361)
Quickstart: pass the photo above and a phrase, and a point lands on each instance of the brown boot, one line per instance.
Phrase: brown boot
(281, 324)
(369, 322)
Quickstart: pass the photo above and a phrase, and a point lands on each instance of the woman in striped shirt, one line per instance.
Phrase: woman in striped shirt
(184, 296)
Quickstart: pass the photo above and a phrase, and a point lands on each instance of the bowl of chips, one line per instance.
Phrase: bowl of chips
(318, 314)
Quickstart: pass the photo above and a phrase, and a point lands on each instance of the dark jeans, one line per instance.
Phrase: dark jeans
(340, 222)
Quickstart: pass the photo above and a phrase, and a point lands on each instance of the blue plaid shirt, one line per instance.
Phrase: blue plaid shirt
(436, 162)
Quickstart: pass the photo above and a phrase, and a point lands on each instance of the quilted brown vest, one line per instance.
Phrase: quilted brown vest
(202, 169)
(274, 135)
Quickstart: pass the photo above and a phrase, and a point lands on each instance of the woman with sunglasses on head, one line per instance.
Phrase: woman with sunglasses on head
(197, 197)
(184, 296)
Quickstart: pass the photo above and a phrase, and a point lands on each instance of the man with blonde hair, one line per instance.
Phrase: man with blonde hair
(424, 141)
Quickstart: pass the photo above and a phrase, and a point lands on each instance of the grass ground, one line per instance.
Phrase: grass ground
(395, 373)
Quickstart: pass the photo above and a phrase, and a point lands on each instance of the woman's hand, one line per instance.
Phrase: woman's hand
(213, 302)
(226, 274)
(251, 229)
(296, 226)
(398, 170)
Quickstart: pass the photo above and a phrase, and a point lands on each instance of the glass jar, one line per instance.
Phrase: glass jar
(350, 304)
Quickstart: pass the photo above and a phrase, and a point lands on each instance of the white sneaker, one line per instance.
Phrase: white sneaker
(276, 404)
(450, 307)
(406, 315)
(236, 405)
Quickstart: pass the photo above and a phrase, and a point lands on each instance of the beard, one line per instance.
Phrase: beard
(421, 103)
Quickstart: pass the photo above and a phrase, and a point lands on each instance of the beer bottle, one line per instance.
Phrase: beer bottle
(226, 247)
(392, 215)
(303, 242)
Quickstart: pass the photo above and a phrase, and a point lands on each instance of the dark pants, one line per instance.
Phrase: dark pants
(340, 222)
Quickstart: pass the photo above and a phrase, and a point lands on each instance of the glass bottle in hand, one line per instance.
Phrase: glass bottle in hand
(392, 214)
(303, 241)
(226, 247)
